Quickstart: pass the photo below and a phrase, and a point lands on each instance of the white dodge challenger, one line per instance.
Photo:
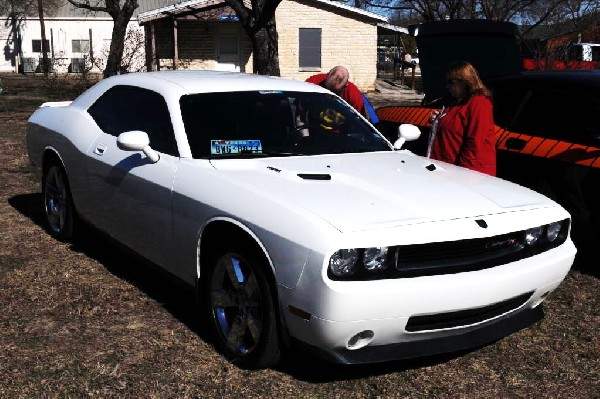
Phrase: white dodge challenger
(295, 221)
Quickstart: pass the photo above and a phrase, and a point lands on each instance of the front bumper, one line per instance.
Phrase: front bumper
(474, 338)
(368, 321)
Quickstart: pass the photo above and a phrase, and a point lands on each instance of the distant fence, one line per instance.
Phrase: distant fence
(405, 72)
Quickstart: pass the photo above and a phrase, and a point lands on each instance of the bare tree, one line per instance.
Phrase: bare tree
(121, 16)
(28, 7)
(45, 63)
(563, 26)
(134, 56)
(538, 19)
(259, 23)
(499, 10)
(15, 12)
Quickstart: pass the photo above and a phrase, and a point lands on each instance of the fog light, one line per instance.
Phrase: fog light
(540, 300)
(360, 340)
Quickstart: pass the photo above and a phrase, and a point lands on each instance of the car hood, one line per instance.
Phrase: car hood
(373, 190)
(477, 41)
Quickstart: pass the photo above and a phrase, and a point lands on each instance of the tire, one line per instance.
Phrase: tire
(240, 310)
(58, 203)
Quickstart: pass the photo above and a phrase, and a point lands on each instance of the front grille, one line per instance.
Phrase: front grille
(469, 255)
(458, 256)
(449, 257)
(465, 317)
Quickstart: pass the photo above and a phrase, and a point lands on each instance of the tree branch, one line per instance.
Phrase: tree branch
(241, 10)
(88, 6)
(387, 7)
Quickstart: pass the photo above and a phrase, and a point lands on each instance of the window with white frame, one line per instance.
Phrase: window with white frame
(80, 46)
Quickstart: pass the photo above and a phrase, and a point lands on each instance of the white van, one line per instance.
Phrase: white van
(584, 52)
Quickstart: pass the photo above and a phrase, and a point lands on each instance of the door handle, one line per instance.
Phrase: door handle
(99, 150)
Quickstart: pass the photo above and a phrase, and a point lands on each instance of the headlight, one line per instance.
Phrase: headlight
(374, 259)
(553, 230)
(533, 235)
(343, 262)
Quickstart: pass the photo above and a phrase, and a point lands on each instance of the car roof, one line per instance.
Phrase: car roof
(587, 78)
(179, 83)
(211, 81)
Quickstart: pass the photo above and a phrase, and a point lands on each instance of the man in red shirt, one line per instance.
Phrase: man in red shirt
(337, 81)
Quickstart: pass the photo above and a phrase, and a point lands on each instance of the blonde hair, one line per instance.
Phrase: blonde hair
(466, 73)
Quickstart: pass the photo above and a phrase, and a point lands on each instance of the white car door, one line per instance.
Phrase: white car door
(133, 195)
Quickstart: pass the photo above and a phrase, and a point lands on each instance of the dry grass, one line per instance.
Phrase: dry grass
(86, 320)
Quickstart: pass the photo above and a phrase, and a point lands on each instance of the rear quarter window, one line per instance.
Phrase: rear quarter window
(126, 108)
(507, 99)
(561, 115)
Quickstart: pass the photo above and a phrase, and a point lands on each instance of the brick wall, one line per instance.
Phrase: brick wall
(344, 41)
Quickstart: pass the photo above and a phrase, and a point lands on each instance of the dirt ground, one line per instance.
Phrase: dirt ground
(86, 320)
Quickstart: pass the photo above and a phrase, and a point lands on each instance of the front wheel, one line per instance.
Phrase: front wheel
(241, 312)
(58, 205)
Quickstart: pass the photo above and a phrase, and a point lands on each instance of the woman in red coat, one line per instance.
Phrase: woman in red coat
(464, 134)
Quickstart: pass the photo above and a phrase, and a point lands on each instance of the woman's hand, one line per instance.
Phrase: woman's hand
(436, 114)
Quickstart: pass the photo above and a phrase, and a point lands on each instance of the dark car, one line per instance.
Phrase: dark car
(552, 139)
(548, 131)
(548, 138)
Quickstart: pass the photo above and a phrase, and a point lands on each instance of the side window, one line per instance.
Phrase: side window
(566, 116)
(309, 54)
(125, 108)
(507, 100)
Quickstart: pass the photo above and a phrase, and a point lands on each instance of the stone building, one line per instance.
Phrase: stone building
(314, 35)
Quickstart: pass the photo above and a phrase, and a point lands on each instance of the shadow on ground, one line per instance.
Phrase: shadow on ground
(172, 294)
(179, 300)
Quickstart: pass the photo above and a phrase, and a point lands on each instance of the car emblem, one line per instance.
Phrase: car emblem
(501, 244)
(482, 223)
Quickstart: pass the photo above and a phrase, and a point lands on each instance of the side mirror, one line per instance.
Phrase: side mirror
(137, 140)
(406, 132)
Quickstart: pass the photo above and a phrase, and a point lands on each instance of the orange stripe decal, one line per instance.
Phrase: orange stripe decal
(533, 145)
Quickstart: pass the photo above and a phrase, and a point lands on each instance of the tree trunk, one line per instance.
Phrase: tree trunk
(115, 53)
(266, 50)
(44, 46)
(121, 17)
(259, 24)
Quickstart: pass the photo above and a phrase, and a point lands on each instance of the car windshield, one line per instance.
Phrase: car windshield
(275, 123)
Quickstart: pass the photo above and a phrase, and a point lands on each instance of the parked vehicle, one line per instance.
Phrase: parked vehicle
(548, 135)
(578, 56)
(550, 140)
(295, 220)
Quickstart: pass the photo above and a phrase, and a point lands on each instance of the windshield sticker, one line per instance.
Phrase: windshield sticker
(227, 147)
(270, 92)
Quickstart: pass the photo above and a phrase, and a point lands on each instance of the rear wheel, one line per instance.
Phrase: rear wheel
(58, 204)
(240, 309)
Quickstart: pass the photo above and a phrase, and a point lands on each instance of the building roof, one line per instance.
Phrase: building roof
(193, 5)
(390, 29)
(69, 11)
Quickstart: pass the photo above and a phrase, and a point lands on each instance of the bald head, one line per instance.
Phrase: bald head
(337, 79)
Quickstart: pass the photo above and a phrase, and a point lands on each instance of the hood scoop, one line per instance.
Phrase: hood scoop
(314, 176)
